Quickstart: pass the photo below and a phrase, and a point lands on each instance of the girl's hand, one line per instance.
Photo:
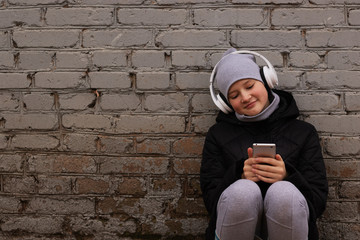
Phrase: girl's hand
(248, 168)
(269, 170)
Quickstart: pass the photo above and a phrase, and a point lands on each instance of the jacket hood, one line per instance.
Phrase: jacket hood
(287, 110)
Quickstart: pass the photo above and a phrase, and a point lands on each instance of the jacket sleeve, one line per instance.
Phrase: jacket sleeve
(310, 176)
(216, 174)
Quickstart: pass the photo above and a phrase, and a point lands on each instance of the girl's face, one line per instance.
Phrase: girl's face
(248, 97)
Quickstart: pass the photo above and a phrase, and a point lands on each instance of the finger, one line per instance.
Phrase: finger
(265, 179)
(250, 152)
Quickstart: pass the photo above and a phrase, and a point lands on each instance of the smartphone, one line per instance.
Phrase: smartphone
(264, 150)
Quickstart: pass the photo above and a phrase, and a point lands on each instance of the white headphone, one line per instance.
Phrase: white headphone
(269, 74)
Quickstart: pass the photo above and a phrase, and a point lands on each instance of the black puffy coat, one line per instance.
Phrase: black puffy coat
(225, 151)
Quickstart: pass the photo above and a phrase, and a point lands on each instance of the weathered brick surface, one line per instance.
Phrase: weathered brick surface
(104, 107)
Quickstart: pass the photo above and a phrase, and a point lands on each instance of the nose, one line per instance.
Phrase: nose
(245, 97)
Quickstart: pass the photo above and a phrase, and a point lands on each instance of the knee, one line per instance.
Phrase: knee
(283, 199)
(242, 194)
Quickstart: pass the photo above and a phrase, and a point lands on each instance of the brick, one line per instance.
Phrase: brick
(187, 81)
(61, 164)
(151, 59)
(72, 60)
(103, 228)
(30, 224)
(107, 2)
(344, 60)
(109, 144)
(318, 102)
(6, 60)
(80, 142)
(189, 1)
(351, 231)
(344, 123)
(35, 2)
(333, 79)
(354, 17)
(9, 101)
(189, 58)
(4, 39)
(151, 17)
(290, 79)
(116, 38)
(120, 102)
(79, 16)
(61, 206)
(37, 121)
(14, 80)
(9, 204)
(112, 80)
(38, 101)
(152, 81)
(307, 17)
(83, 121)
(202, 123)
(129, 206)
(92, 185)
(193, 188)
(133, 165)
(191, 38)
(35, 60)
(46, 38)
(11, 163)
(202, 103)
(20, 17)
(187, 165)
(341, 211)
(342, 146)
(54, 185)
(191, 146)
(331, 1)
(266, 38)
(78, 101)
(352, 101)
(177, 102)
(190, 207)
(342, 168)
(20, 184)
(107, 58)
(269, 1)
(350, 190)
(60, 80)
(3, 141)
(166, 186)
(32, 142)
(153, 145)
(228, 17)
(340, 38)
(304, 59)
(132, 186)
(149, 124)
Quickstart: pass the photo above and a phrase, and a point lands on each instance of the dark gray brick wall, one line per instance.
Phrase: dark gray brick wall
(104, 105)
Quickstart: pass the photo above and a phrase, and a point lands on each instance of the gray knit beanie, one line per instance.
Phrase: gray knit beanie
(234, 67)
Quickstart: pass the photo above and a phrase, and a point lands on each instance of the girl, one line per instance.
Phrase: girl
(246, 196)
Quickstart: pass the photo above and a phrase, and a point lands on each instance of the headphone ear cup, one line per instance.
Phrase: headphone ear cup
(223, 104)
(270, 76)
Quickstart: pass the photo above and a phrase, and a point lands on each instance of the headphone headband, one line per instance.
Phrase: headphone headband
(269, 73)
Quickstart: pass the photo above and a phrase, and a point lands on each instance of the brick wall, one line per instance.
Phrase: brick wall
(104, 106)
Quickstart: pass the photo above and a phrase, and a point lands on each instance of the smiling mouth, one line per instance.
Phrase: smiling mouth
(250, 105)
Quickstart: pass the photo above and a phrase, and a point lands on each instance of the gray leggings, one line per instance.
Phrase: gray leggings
(242, 212)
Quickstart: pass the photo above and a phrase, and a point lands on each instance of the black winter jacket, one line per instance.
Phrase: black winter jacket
(225, 151)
